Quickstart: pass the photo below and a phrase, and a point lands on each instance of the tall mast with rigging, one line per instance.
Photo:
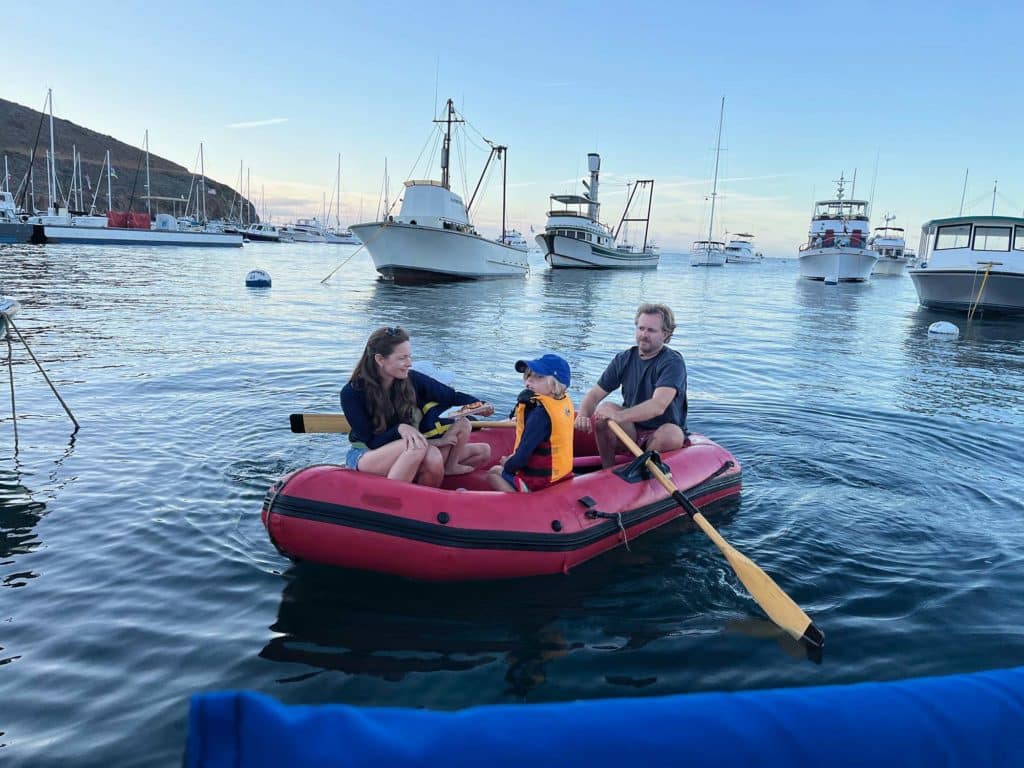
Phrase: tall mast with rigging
(445, 149)
(714, 185)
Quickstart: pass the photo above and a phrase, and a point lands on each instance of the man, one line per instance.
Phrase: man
(653, 381)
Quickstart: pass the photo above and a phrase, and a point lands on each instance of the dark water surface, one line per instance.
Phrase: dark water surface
(882, 490)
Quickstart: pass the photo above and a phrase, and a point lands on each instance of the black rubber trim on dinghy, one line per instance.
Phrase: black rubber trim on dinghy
(466, 538)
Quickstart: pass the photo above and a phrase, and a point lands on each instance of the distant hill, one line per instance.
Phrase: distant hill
(19, 127)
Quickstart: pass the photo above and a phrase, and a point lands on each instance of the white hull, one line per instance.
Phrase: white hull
(744, 259)
(343, 239)
(113, 236)
(843, 264)
(707, 259)
(889, 266)
(569, 253)
(413, 253)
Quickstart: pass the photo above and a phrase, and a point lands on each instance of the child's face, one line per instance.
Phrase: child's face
(541, 385)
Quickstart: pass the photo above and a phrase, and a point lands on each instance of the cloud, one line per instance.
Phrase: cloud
(259, 123)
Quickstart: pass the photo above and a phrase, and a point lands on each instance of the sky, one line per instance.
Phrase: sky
(912, 97)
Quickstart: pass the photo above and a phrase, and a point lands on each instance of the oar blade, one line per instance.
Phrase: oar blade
(318, 422)
(777, 604)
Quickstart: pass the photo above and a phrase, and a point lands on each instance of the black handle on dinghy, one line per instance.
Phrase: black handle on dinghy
(777, 604)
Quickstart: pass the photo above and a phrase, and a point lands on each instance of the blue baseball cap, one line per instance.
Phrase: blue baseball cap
(547, 365)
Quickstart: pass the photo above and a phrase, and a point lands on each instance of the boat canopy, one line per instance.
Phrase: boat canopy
(573, 199)
(841, 209)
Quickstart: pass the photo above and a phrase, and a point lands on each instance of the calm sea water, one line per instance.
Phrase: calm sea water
(882, 490)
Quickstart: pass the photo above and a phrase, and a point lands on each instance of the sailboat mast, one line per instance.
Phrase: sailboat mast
(202, 184)
(337, 207)
(714, 186)
(964, 193)
(53, 157)
(995, 186)
(149, 190)
(110, 196)
(504, 189)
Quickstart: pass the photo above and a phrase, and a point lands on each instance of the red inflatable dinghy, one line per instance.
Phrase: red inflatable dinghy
(462, 531)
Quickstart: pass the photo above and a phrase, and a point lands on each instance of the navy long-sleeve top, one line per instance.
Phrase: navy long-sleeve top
(428, 390)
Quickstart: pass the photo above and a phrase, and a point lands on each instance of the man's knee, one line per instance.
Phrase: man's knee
(668, 437)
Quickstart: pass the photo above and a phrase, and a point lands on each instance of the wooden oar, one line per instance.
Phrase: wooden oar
(777, 604)
(336, 422)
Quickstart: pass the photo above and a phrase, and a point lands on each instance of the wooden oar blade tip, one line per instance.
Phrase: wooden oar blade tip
(813, 640)
(298, 424)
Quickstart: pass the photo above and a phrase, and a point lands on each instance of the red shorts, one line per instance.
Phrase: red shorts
(643, 435)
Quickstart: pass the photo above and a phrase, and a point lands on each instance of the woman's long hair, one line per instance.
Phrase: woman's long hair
(387, 407)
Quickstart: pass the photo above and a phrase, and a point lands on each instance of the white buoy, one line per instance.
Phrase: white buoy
(257, 278)
(944, 329)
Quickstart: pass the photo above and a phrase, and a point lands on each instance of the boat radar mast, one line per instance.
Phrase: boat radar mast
(449, 118)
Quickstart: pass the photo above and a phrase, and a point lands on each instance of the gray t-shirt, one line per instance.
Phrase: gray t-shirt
(639, 378)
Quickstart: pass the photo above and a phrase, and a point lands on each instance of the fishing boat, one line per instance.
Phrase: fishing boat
(837, 250)
(740, 250)
(891, 246)
(711, 253)
(971, 263)
(432, 238)
(575, 238)
(464, 531)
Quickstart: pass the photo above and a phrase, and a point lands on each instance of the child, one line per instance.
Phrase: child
(544, 429)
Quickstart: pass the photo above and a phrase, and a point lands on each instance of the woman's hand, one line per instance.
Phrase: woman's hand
(583, 423)
(412, 436)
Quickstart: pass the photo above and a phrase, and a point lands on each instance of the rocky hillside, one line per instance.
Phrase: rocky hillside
(19, 128)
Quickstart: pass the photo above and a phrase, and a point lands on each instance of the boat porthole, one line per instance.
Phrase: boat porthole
(443, 518)
(556, 525)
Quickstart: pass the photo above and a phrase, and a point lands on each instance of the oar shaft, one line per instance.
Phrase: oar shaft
(337, 423)
(777, 604)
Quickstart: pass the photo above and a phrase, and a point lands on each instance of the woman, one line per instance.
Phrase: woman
(384, 402)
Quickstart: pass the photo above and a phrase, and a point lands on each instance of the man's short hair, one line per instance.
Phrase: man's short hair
(668, 318)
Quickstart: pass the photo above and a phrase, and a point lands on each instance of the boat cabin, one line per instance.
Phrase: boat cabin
(429, 203)
(574, 222)
(970, 241)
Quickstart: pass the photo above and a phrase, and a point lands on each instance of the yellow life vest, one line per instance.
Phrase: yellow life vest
(562, 415)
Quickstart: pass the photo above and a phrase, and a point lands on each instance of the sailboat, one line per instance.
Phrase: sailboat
(338, 233)
(432, 237)
(711, 253)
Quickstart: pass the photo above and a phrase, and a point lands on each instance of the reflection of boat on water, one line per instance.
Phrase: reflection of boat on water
(972, 264)
(432, 237)
(836, 249)
(575, 238)
(890, 245)
(332, 515)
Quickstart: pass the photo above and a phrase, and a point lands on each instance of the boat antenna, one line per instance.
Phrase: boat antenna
(874, 178)
(714, 185)
(964, 193)
(995, 185)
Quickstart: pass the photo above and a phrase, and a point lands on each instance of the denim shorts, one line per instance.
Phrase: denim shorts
(353, 457)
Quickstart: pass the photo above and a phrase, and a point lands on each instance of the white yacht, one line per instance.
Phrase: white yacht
(891, 246)
(305, 231)
(711, 253)
(432, 237)
(971, 263)
(837, 250)
(514, 238)
(575, 238)
(740, 250)
(342, 235)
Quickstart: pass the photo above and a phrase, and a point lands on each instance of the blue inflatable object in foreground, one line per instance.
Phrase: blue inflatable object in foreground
(974, 721)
